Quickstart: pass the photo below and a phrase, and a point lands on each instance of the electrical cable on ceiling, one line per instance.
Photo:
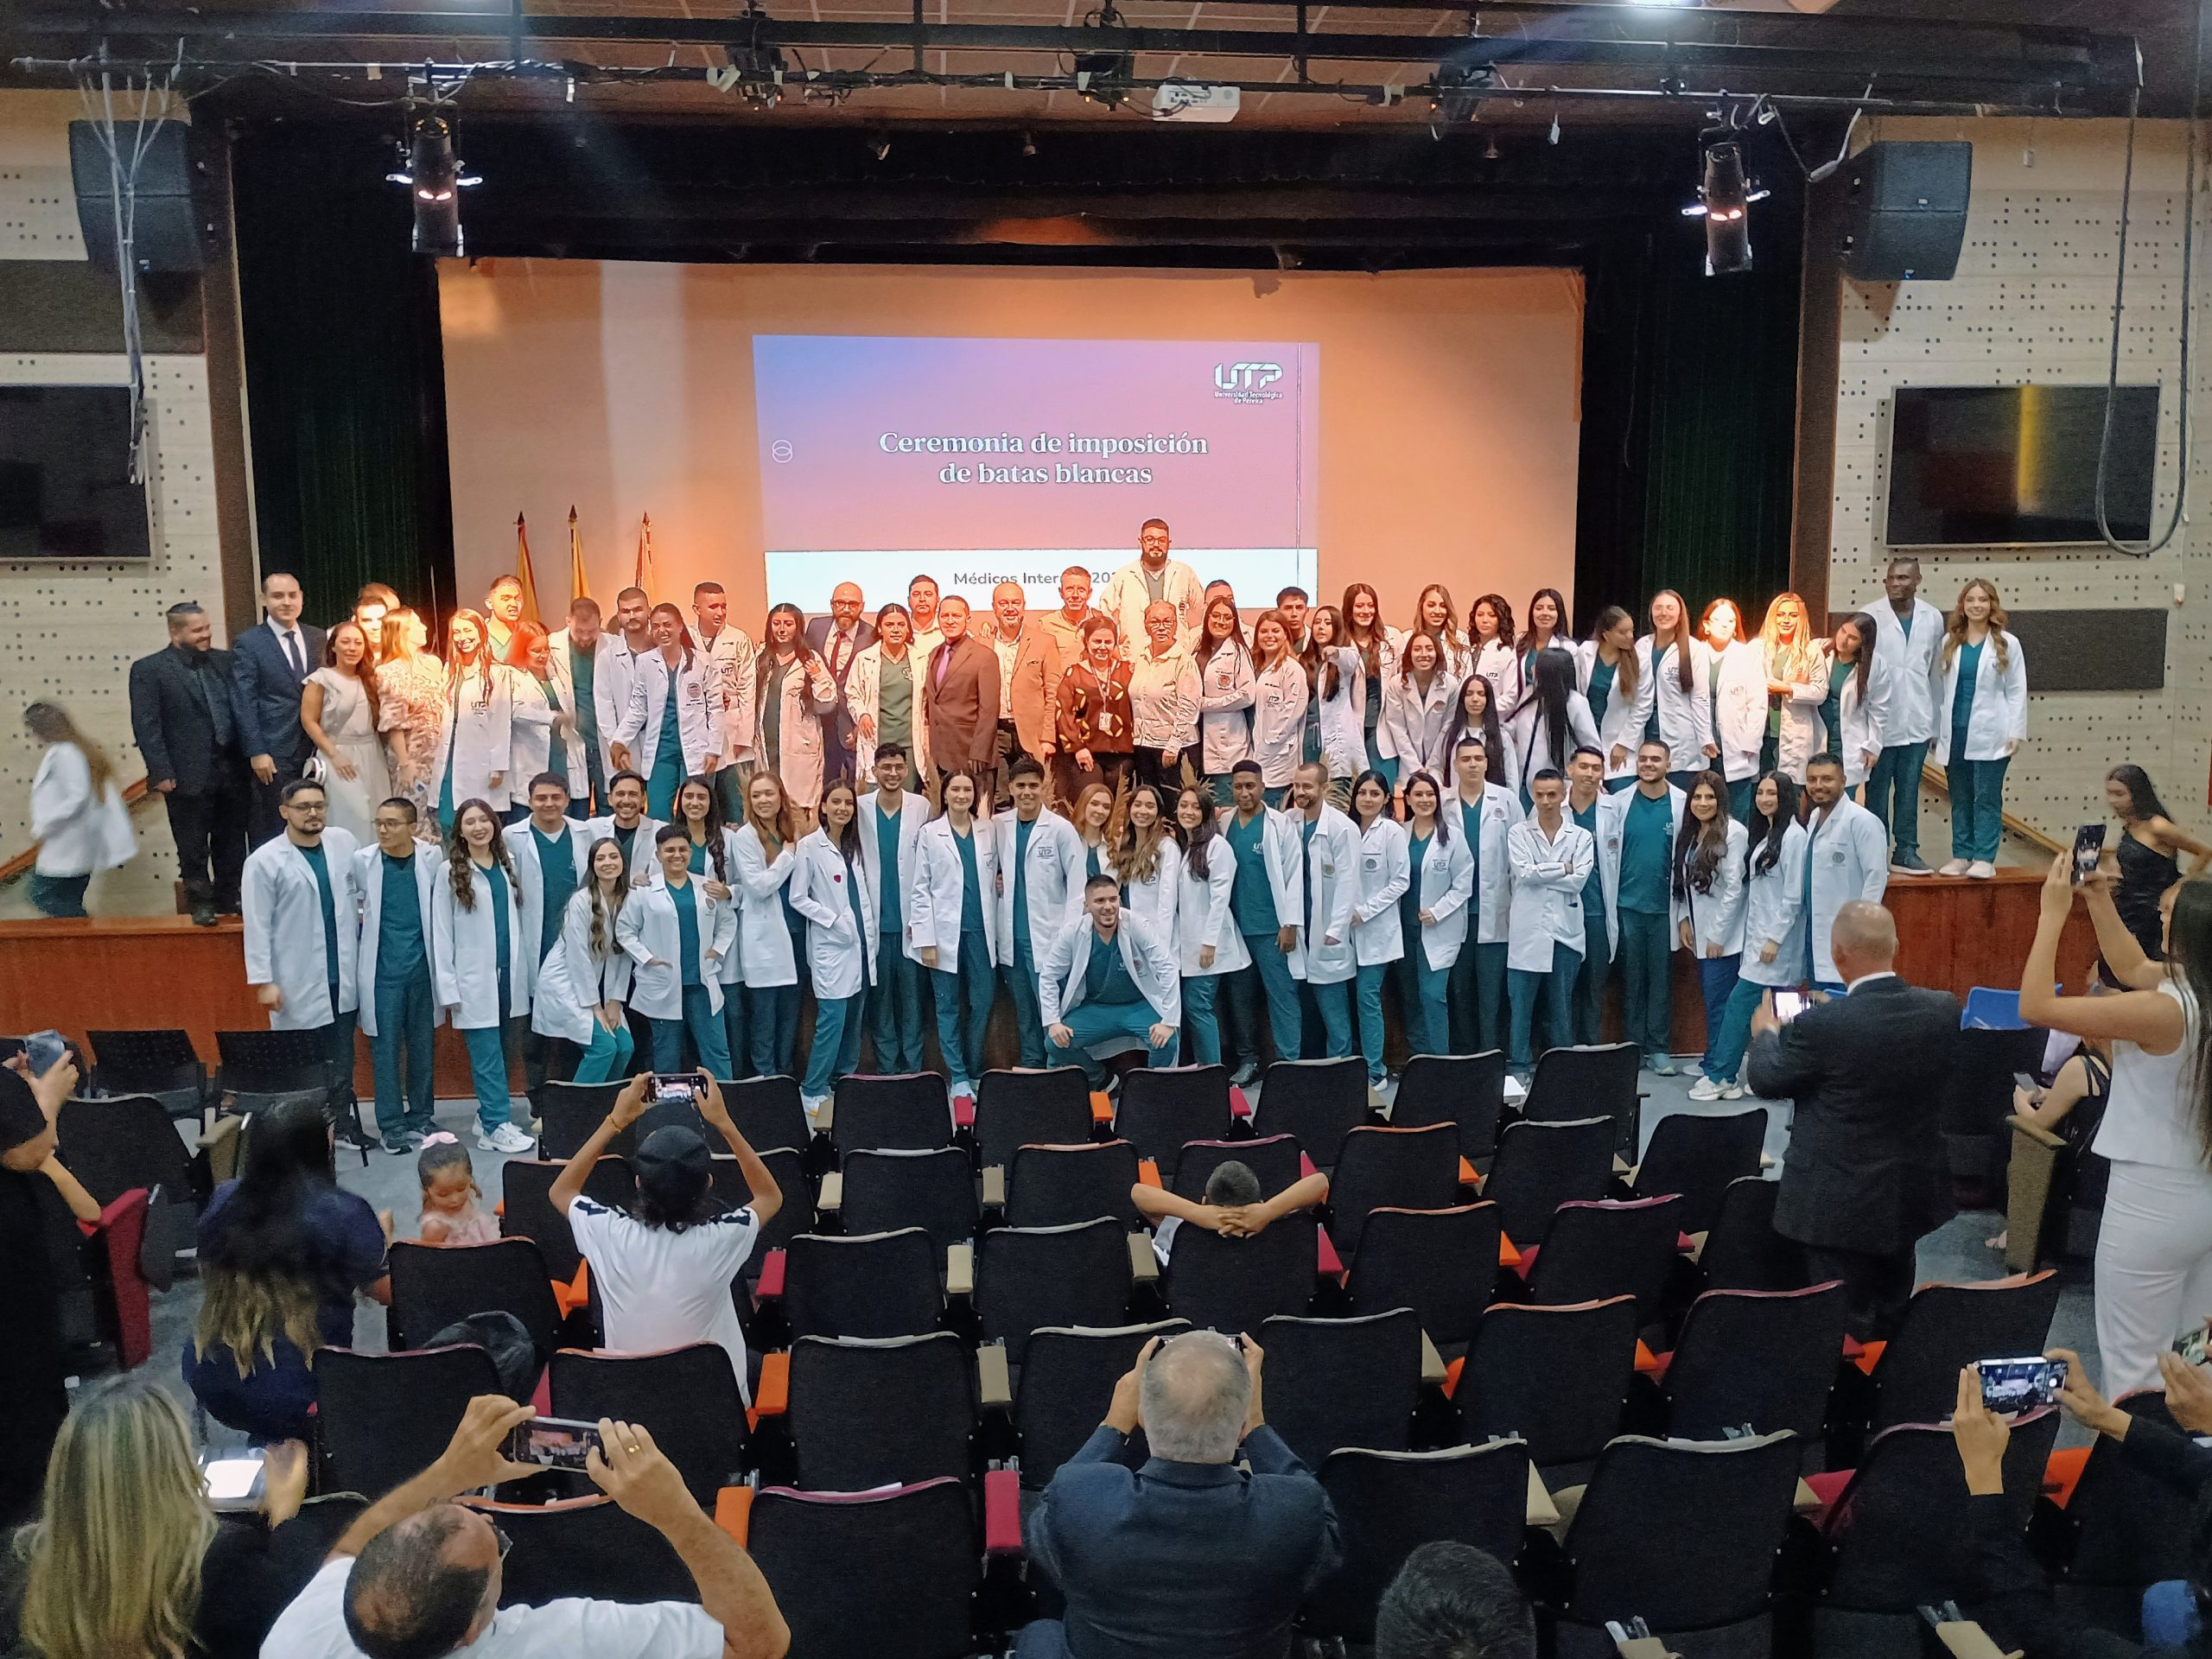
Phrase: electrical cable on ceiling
(123, 205)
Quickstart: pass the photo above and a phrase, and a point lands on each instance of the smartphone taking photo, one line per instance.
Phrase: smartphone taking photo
(554, 1443)
(689, 1086)
(2088, 847)
(1787, 1005)
(2023, 1384)
(235, 1480)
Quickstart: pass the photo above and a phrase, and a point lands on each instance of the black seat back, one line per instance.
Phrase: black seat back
(1066, 1384)
(1466, 1090)
(1044, 1108)
(1698, 1156)
(383, 1419)
(1742, 1250)
(686, 1398)
(162, 1064)
(526, 1206)
(1541, 1166)
(1597, 1081)
(863, 1285)
(1275, 1158)
(1404, 1169)
(933, 1191)
(569, 1112)
(1763, 1360)
(910, 1111)
(270, 1062)
(586, 1548)
(796, 1214)
(1339, 1383)
(1030, 1277)
(1319, 1101)
(2130, 1526)
(122, 1142)
(1053, 1187)
(1946, 1327)
(1607, 1248)
(1441, 1263)
(869, 1574)
(1236, 1285)
(1389, 1503)
(1160, 1111)
(767, 1113)
(435, 1284)
(1556, 1376)
(883, 1412)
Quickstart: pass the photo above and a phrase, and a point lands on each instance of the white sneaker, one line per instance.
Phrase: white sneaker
(506, 1138)
(813, 1105)
(1705, 1089)
(1981, 869)
(1955, 866)
(1733, 1091)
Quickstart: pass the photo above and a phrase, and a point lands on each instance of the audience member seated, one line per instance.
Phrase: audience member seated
(1454, 1601)
(417, 1576)
(126, 1557)
(1231, 1207)
(282, 1251)
(33, 1361)
(1189, 1553)
(2086, 1075)
(2013, 1598)
(664, 1274)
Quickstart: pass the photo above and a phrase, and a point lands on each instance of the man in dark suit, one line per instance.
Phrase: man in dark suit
(181, 719)
(1865, 1175)
(960, 701)
(1188, 1554)
(270, 662)
(837, 638)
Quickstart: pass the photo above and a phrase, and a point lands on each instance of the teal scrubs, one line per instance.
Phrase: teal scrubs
(668, 760)
(1113, 1005)
(1474, 987)
(1647, 849)
(963, 993)
(1252, 908)
(898, 997)
(1020, 972)
(487, 1044)
(339, 1033)
(406, 1006)
(700, 1016)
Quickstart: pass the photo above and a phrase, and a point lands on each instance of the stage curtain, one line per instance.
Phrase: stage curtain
(344, 385)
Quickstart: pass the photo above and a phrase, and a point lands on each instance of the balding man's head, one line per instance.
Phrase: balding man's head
(1195, 1397)
(1863, 940)
(425, 1586)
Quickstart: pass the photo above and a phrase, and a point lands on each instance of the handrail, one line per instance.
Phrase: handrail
(1930, 774)
(23, 862)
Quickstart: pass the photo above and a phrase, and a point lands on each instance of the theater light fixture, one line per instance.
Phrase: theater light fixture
(1456, 96)
(435, 180)
(1724, 201)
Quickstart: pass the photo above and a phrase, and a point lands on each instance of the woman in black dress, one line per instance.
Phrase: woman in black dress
(2147, 855)
(31, 1357)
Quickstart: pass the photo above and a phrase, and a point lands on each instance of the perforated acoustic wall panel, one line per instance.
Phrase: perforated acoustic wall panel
(2032, 303)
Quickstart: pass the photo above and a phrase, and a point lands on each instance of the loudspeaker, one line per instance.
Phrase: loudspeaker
(1904, 211)
(168, 227)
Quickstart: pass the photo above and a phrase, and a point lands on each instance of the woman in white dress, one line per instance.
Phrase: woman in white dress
(338, 711)
(1737, 678)
(476, 730)
(410, 713)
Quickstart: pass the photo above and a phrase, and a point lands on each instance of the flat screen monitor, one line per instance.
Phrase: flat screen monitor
(2017, 466)
(64, 475)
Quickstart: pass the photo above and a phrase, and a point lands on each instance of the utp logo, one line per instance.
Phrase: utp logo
(1247, 382)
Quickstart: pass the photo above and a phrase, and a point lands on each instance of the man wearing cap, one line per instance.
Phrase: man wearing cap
(664, 1273)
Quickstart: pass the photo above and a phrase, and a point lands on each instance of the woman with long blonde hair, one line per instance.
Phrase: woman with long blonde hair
(1095, 809)
(1797, 685)
(1435, 614)
(771, 933)
(1681, 706)
(1982, 717)
(77, 812)
(411, 711)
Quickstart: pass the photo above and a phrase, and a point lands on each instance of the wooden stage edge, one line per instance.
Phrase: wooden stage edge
(118, 973)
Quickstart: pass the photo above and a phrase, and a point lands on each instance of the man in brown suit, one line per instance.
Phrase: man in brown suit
(1029, 674)
(960, 702)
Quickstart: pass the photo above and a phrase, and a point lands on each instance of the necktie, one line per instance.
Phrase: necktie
(292, 656)
(943, 661)
(838, 642)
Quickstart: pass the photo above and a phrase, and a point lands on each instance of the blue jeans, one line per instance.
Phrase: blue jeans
(773, 1017)
(487, 1073)
(1421, 997)
(59, 895)
(1091, 1023)
(1723, 1054)
(1475, 994)
(1522, 985)
(837, 1052)
(1198, 1022)
(1645, 947)
(704, 1022)
(963, 1007)
(1325, 1018)
(1893, 796)
(1267, 977)
(406, 1011)
(1020, 977)
(1716, 978)
(1976, 806)
(608, 1055)
(897, 1006)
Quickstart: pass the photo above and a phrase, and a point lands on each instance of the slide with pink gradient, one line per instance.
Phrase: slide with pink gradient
(986, 461)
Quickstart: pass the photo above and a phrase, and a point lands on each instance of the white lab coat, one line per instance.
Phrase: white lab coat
(643, 861)
(733, 654)
(1548, 877)
(864, 696)
(1739, 708)
(1801, 733)
(1378, 931)
(1285, 856)
(1279, 697)
(696, 686)
(1685, 717)
(649, 931)
(1417, 721)
(1715, 918)
(1529, 737)
(280, 905)
(914, 817)
(1203, 917)
(1051, 878)
(572, 982)
(1774, 914)
(1332, 880)
(1914, 668)
(938, 883)
(1149, 959)
(522, 853)
(808, 694)
(1153, 901)
(1849, 853)
(1492, 875)
(1612, 832)
(1126, 599)
(841, 947)
(77, 833)
(1447, 883)
(610, 690)
(1999, 716)
(1621, 727)
(1864, 718)
(368, 887)
(620, 669)
(1344, 733)
(1496, 662)
(1227, 689)
(764, 941)
(1164, 701)
(531, 745)
(477, 735)
(465, 954)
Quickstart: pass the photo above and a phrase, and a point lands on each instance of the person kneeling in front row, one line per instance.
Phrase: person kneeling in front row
(1109, 979)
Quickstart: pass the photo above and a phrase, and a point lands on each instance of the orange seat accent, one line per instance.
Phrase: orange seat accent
(1659, 1364)
(1869, 1357)
(1147, 1172)
(733, 1512)
(500, 1209)
(1305, 1164)
(1326, 1259)
(1452, 1376)
(1646, 1361)
(1829, 1486)
(2062, 1472)
(1102, 1108)
(1509, 1254)
(772, 1398)
(576, 1294)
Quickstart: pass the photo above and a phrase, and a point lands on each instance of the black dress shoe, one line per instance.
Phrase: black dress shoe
(203, 913)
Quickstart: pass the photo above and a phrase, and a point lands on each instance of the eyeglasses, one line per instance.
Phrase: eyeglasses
(506, 1543)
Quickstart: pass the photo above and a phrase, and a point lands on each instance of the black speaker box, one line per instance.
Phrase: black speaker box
(168, 227)
(1904, 211)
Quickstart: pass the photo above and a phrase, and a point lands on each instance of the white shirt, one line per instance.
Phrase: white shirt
(2151, 1115)
(661, 1289)
(314, 1626)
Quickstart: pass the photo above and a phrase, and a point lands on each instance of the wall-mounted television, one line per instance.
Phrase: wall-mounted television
(2017, 466)
(64, 475)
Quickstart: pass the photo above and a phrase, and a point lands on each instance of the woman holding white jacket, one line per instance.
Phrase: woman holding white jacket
(883, 694)
(1706, 897)
(1982, 718)
(1432, 914)
(679, 934)
(1417, 702)
(584, 981)
(1776, 847)
(1737, 674)
(765, 861)
(1227, 690)
(952, 934)
(1377, 939)
(476, 731)
(1855, 712)
(1679, 711)
(832, 891)
(481, 963)
(1207, 944)
(77, 812)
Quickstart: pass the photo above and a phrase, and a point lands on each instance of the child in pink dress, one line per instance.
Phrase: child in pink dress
(449, 1195)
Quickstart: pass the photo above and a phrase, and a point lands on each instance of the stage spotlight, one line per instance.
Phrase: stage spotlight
(435, 180)
(756, 65)
(1723, 202)
(1455, 97)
